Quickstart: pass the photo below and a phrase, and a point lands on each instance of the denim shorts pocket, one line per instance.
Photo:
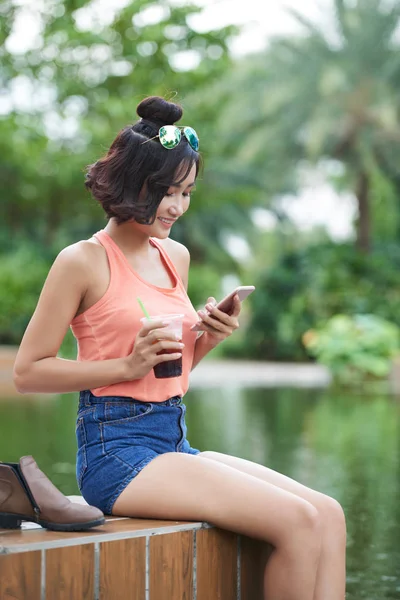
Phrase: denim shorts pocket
(121, 432)
(116, 411)
(123, 412)
(81, 457)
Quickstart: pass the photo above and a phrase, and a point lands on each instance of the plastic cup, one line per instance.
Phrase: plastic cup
(169, 368)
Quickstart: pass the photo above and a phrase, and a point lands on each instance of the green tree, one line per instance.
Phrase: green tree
(333, 93)
(83, 77)
(80, 81)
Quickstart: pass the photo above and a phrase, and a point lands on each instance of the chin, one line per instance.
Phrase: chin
(162, 235)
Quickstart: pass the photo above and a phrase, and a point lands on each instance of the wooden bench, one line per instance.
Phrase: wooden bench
(131, 559)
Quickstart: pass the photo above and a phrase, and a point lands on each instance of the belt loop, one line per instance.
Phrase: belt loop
(87, 398)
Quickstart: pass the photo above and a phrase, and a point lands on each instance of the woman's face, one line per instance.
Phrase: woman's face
(174, 204)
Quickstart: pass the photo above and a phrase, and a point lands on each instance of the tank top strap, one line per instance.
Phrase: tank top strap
(119, 265)
(169, 263)
(116, 259)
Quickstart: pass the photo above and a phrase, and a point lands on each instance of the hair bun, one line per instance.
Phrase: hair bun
(159, 111)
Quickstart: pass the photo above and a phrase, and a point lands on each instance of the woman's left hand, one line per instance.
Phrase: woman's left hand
(218, 324)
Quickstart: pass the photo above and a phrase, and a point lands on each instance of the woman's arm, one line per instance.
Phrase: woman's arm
(37, 367)
(217, 327)
(204, 344)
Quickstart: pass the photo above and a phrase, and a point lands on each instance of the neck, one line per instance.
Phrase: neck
(129, 238)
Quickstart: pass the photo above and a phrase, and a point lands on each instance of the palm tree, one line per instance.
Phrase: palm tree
(331, 94)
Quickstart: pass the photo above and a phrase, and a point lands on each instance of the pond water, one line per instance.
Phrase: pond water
(345, 446)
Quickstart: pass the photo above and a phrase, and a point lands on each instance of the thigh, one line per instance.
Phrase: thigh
(322, 502)
(186, 487)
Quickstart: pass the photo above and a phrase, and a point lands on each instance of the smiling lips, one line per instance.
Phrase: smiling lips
(167, 222)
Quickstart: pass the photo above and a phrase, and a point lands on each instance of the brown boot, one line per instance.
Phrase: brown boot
(27, 495)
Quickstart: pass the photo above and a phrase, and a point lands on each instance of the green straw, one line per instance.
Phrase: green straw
(146, 314)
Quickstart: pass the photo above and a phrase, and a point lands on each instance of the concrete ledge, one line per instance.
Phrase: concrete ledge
(241, 373)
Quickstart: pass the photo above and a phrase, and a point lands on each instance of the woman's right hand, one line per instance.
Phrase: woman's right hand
(151, 340)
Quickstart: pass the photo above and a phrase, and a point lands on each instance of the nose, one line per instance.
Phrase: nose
(177, 209)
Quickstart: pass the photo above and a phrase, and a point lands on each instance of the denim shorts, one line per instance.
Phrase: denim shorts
(118, 436)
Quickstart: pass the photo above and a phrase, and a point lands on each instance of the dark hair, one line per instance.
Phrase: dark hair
(133, 177)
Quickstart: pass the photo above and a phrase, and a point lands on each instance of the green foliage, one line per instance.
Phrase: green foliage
(81, 84)
(309, 285)
(84, 80)
(203, 282)
(330, 93)
(68, 347)
(354, 347)
(22, 275)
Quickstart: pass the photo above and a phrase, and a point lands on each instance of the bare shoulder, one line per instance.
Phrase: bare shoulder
(175, 249)
(180, 256)
(81, 255)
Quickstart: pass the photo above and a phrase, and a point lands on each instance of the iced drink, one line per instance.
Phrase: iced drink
(169, 368)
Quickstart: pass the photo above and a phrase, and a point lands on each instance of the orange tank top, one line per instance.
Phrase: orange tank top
(108, 328)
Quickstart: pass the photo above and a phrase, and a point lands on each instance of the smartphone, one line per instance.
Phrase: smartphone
(225, 305)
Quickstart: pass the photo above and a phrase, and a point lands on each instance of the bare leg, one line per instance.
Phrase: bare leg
(331, 574)
(186, 487)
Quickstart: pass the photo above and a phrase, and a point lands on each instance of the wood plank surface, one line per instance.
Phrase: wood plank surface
(70, 573)
(123, 570)
(20, 576)
(216, 552)
(253, 559)
(171, 566)
(17, 540)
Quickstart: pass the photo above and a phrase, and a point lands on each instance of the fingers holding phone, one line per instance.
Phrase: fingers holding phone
(218, 324)
(229, 306)
(213, 309)
(203, 313)
(236, 306)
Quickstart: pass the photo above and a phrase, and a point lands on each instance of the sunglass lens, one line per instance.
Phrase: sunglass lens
(192, 137)
(170, 136)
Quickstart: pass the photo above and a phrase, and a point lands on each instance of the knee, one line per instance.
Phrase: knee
(305, 529)
(309, 519)
(333, 516)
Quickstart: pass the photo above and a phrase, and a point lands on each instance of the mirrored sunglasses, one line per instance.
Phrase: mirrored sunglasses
(170, 136)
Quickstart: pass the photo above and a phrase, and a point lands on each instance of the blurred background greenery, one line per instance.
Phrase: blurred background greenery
(320, 104)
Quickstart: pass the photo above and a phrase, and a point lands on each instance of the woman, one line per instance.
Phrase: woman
(133, 455)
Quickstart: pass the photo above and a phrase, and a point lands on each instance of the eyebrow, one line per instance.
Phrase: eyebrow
(175, 184)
